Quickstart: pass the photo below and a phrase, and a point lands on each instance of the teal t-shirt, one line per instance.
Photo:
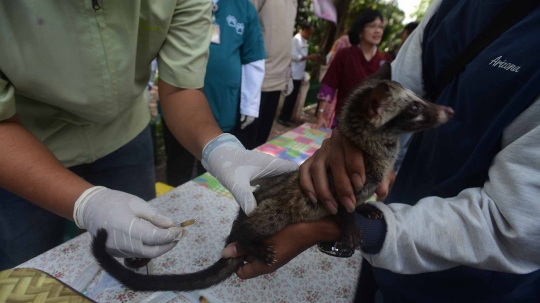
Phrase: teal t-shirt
(241, 42)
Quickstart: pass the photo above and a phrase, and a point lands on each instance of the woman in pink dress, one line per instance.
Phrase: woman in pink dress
(351, 65)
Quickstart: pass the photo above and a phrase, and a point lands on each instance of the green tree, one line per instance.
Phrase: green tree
(421, 9)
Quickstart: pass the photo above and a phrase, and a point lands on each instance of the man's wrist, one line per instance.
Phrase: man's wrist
(224, 138)
(80, 205)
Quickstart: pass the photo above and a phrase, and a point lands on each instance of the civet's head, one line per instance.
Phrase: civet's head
(387, 106)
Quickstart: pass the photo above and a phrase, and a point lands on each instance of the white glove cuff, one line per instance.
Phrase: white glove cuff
(81, 201)
(214, 143)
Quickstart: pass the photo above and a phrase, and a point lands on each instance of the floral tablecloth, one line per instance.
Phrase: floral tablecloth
(311, 277)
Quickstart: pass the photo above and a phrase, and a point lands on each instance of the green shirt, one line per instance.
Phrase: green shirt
(241, 42)
(76, 76)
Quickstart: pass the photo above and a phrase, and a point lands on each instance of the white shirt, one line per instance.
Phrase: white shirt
(299, 50)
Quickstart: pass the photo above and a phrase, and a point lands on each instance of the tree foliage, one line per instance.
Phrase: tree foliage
(421, 9)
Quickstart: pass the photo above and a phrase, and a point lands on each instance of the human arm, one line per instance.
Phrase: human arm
(325, 96)
(30, 170)
(250, 94)
(182, 67)
(188, 114)
(296, 54)
(321, 121)
(288, 243)
(253, 65)
(494, 227)
(329, 85)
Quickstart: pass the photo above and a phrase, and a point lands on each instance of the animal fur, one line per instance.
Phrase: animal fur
(374, 115)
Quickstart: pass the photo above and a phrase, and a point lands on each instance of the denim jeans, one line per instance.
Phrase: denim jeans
(27, 230)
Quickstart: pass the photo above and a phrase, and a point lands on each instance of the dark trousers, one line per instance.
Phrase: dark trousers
(180, 161)
(27, 230)
(256, 134)
(290, 102)
(366, 287)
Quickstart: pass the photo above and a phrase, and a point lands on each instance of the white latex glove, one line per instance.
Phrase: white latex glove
(289, 88)
(135, 228)
(246, 120)
(227, 160)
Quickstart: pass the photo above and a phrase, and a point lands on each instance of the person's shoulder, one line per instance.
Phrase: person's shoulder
(347, 51)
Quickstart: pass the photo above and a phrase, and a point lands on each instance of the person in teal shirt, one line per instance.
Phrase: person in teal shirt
(233, 80)
(234, 60)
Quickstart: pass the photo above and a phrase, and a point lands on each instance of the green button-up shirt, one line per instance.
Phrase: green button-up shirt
(76, 76)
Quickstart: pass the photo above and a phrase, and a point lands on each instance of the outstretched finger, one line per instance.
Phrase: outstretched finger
(383, 188)
(233, 250)
(306, 183)
(354, 164)
(318, 172)
(253, 268)
(342, 183)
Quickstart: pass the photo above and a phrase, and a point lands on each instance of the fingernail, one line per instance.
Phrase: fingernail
(311, 197)
(229, 251)
(347, 202)
(181, 233)
(166, 220)
(333, 207)
(357, 182)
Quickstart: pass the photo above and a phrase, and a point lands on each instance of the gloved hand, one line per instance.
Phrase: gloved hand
(135, 228)
(290, 86)
(246, 120)
(227, 160)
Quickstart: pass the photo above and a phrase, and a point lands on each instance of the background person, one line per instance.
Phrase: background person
(277, 17)
(298, 67)
(353, 64)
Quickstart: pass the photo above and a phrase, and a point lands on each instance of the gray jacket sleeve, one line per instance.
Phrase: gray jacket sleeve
(496, 227)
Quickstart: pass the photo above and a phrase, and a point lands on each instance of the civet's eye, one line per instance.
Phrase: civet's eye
(414, 108)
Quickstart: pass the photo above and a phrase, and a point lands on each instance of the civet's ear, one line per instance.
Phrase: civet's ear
(375, 101)
(384, 73)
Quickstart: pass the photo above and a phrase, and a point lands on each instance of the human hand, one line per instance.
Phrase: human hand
(288, 243)
(346, 162)
(321, 122)
(385, 186)
(312, 57)
(290, 86)
(227, 160)
(246, 120)
(135, 228)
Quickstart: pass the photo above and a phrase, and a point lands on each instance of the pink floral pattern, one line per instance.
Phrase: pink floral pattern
(311, 277)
